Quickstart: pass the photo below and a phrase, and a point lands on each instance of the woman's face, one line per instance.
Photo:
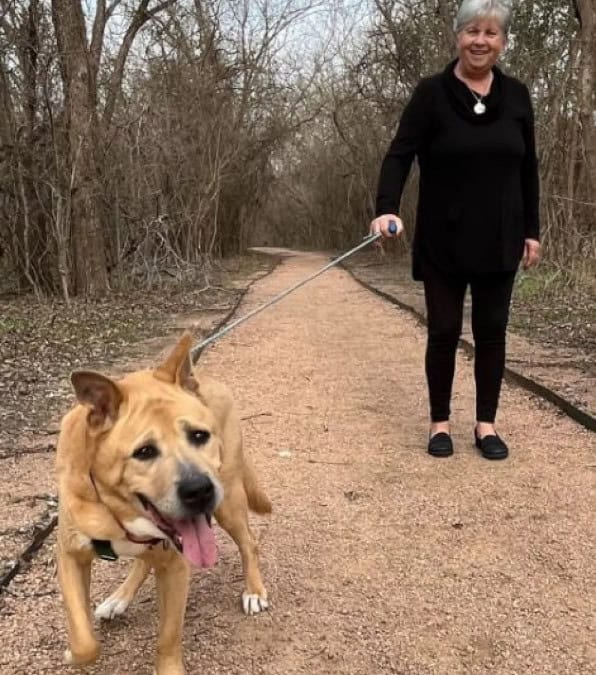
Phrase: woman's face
(479, 44)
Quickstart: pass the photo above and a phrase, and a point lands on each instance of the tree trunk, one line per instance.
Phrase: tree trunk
(88, 246)
(445, 11)
(35, 230)
(586, 14)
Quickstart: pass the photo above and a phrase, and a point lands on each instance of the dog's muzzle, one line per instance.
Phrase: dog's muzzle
(187, 523)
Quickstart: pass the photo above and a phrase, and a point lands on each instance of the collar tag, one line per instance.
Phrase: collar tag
(103, 549)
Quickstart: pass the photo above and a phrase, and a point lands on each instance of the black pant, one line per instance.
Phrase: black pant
(491, 295)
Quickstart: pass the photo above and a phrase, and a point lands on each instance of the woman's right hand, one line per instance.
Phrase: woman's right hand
(381, 224)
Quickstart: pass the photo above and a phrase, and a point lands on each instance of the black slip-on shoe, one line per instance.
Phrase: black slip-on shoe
(440, 445)
(491, 446)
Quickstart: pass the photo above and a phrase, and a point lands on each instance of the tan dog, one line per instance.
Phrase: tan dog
(143, 463)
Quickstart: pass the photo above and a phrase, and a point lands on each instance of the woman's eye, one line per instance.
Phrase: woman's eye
(146, 453)
(198, 436)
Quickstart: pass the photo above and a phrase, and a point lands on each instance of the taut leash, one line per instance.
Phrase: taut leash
(226, 329)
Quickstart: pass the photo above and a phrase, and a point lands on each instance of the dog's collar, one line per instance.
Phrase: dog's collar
(103, 547)
(105, 551)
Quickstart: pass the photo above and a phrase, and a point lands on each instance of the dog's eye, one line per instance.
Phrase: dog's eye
(198, 436)
(146, 453)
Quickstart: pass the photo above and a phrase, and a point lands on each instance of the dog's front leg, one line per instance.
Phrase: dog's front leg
(232, 515)
(172, 574)
(119, 601)
(74, 576)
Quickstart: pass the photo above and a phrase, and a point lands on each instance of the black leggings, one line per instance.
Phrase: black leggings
(491, 295)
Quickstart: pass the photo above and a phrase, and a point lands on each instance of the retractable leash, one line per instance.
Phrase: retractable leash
(226, 329)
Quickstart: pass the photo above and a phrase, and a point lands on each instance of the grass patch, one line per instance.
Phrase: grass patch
(549, 303)
(10, 324)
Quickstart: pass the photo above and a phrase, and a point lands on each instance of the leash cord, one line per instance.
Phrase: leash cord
(222, 331)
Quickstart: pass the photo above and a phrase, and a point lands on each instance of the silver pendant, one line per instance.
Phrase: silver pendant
(480, 108)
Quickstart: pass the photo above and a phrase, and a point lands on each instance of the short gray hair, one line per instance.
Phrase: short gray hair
(483, 9)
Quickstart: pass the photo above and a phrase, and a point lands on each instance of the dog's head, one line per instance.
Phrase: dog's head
(155, 453)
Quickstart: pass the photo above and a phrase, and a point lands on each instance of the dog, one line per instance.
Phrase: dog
(143, 464)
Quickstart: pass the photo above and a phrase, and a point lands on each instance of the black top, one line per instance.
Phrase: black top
(478, 195)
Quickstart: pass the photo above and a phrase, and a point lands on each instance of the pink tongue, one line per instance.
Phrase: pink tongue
(198, 541)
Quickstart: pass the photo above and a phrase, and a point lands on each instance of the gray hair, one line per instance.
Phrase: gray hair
(484, 9)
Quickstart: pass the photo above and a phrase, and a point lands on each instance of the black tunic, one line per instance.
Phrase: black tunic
(478, 194)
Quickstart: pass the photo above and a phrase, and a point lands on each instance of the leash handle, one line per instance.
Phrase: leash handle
(373, 237)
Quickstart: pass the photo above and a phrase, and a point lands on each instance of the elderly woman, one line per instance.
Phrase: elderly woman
(472, 129)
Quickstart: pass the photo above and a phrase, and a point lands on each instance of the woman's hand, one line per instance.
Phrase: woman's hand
(381, 224)
(531, 253)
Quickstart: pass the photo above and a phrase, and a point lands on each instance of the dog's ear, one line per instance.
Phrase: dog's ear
(98, 393)
(186, 378)
(177, 368)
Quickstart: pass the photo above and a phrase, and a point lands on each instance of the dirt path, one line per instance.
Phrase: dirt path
(378, 558)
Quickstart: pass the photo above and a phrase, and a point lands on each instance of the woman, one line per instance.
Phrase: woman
(472, 130)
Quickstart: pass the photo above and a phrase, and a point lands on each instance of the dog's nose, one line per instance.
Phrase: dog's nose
(197, 493)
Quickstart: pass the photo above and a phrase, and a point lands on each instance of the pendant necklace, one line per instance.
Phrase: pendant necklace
(479, 107)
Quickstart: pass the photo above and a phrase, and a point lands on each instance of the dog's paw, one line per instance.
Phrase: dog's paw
(84, 657)
(111, 608)
(253, 603)
(169, 668)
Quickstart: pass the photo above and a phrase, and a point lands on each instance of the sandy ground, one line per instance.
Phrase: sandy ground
(378, 558)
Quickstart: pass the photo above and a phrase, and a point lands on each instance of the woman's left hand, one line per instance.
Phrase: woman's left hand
(531, 253)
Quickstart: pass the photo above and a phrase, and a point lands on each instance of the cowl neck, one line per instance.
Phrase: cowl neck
(463, 100)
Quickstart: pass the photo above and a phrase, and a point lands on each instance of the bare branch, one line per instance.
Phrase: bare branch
(99, 26)
(140, 18)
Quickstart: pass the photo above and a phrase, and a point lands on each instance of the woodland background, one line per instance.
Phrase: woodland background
(141, 140)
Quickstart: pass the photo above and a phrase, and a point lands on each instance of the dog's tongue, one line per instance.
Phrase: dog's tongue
(198, 541)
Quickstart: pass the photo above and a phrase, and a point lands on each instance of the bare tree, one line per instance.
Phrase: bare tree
(79, 82)
(80, 63)
(586, 14)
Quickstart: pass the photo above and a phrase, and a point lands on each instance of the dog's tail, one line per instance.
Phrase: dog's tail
(258, 501)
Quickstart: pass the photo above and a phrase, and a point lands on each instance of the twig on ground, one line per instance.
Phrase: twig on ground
(39, 450)
(251, 417)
